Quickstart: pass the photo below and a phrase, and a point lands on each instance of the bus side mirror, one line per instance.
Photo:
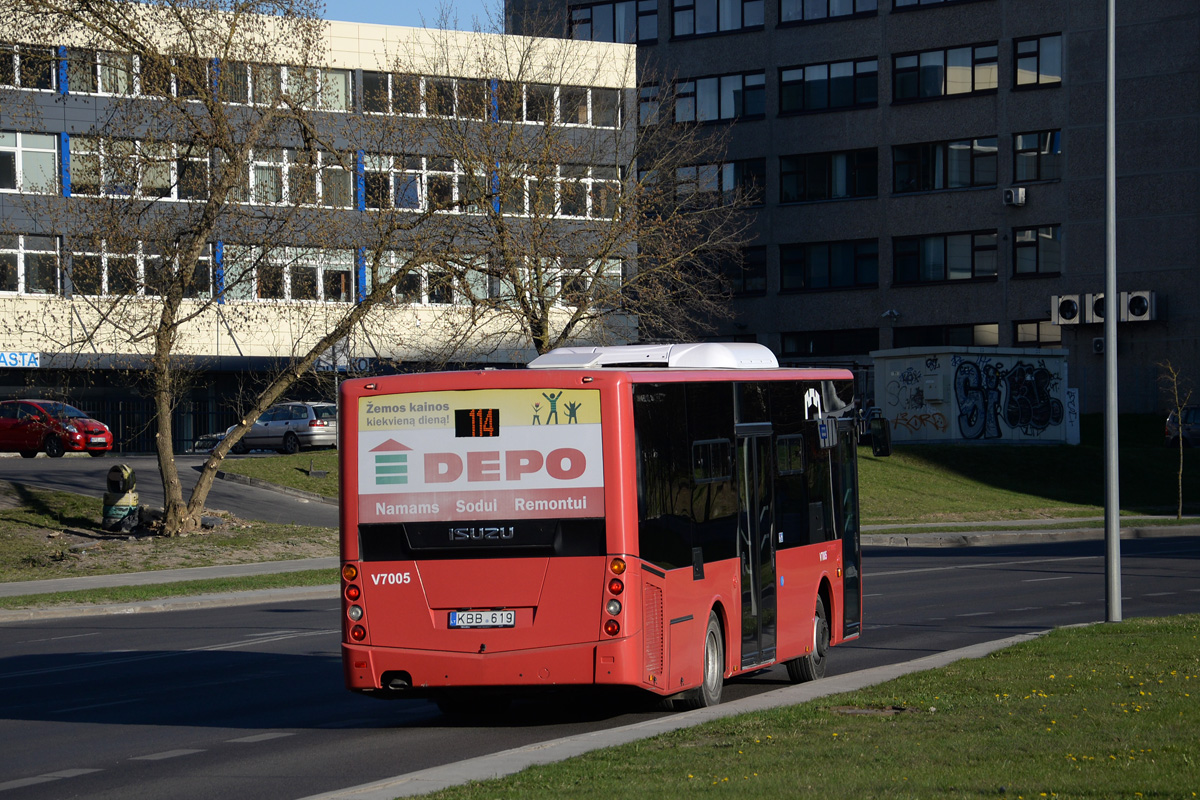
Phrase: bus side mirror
(881, 437)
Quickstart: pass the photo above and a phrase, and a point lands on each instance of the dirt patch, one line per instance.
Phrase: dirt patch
(56, 535)
(880, 711)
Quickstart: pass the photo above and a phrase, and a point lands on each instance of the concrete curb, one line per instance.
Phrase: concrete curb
(175, 603)
(1000, 538)
(506, 763)
(259, 483)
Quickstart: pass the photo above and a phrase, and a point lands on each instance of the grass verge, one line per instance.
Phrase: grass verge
(1105, 711)
(158, 591)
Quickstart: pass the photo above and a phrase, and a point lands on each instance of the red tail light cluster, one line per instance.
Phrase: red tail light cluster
(352, 593)
(613, 606)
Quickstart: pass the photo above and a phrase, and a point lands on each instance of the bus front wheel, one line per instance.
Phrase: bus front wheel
(713, 670)
(812, 666)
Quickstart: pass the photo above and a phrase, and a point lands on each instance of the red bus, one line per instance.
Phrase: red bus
(658, 516)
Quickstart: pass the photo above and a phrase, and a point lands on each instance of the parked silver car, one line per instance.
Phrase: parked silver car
(1190, 430)
(287, 427)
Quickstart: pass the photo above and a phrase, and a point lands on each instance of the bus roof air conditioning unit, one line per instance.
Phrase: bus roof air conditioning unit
(1014, 196)
(1138, 306)
(1065, 309)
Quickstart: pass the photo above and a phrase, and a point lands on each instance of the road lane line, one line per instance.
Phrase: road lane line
(1161, 594)
(1040, 580)
(58, 638)
(21, 783)
(165, 755)
(977, 614)
(96, 705)
(261, 737)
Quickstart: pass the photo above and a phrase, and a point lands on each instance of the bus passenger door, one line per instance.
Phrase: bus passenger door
(756, 546)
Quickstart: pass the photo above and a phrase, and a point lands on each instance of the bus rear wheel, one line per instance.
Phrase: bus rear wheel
(708, 693)
(812, 666)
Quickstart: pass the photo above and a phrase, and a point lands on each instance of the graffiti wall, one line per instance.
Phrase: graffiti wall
(975, 394)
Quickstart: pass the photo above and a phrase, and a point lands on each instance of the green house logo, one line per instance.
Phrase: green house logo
(391, 462)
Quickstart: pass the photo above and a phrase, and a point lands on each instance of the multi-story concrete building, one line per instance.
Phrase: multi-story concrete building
(109, 158)
(933, 171)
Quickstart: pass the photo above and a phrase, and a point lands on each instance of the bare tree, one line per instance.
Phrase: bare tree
(588, 213)
(1178, 392)
(208, 122)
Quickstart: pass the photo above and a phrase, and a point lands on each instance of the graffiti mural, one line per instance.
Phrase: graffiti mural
(977, 389)
(915, 422)
(1029, 404)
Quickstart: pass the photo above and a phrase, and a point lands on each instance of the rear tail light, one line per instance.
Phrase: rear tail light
(617, 565)
(355, 613)
(613, 607)
(615, 586)
(358, 633)
(317, 423)
(612, 628)
(353, 592)
(349, 572)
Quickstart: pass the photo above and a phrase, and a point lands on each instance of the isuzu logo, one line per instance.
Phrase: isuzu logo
(479, 533)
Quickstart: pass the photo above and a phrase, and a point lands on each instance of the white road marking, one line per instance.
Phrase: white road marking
(59, 638)
(1040, 580)
(165, 754)
(261, 737)
(96, 705)
(977, 614)
(1161, 594)
(21, 783)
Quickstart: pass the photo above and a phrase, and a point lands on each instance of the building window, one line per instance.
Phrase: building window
(1037, 251)
(931, 166)
(27, 67)
(824, 87)
(983, 335)
(829, 265)
(904, 5)
(848, 342)
(941, 73)
(648, 103)
(1037, 156)
(1039, 333)
(817, 10)
(289, 273)
(828, 176)
(749, 276)
(321, 88)
(737, 96)
(744, 178)
(393, 182)
(703, 17)
(626, 21)
(949, 257)
(100, 72)
(28, 264)
(1038, 60)
(28, 162)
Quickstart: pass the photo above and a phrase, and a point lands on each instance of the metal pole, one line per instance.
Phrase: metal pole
(1112, 488)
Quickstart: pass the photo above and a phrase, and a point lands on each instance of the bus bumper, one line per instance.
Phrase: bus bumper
(401, 670)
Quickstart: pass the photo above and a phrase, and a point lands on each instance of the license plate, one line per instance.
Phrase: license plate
(483, 619)
(96, 440)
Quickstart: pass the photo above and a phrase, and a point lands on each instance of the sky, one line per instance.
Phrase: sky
(416, 13)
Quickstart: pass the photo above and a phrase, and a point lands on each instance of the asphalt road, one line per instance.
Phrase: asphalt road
(87, 476)
(248, 701)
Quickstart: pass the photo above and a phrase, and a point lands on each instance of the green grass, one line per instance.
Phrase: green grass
(158, 591)
(1107, 711)
(935, 483)
(48, 534)
(291, 471)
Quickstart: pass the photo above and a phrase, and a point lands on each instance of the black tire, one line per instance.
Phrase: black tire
(811, 667)
(97, 453)
(708, 693)
(54, 446)
(240, 448)
(29, 453)
(291, 445)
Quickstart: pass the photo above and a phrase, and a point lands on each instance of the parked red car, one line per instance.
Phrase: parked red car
(30, 427)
